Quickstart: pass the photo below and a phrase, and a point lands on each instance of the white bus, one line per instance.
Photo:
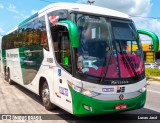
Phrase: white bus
(85, 59)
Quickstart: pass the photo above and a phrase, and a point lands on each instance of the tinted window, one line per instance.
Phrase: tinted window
(43, 33)
(32, 33)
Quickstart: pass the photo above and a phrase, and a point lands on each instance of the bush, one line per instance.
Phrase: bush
(152, 72)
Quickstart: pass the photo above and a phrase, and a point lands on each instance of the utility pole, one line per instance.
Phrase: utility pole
(90, 2)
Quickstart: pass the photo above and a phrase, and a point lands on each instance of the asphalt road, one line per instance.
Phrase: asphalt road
(15, 99)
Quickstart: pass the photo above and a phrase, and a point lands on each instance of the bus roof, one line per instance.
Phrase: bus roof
(76, 7)
(86, 8)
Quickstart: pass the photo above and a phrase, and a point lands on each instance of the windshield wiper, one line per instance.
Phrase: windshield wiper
(127, 60)
(106, 64)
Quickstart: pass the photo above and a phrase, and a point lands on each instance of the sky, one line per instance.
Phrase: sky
(145, 13)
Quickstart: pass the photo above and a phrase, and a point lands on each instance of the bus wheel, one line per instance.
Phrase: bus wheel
(5, 75)
(46, 97)
(8, 78)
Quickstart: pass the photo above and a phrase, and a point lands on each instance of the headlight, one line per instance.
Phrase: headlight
(84, 91)
(89, 93)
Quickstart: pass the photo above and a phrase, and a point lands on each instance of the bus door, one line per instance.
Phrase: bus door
(63, 70)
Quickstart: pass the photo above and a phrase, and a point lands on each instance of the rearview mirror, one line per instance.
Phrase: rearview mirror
(73, 32)
(154, 38)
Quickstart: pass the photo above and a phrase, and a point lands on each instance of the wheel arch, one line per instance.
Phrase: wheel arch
(42, 80)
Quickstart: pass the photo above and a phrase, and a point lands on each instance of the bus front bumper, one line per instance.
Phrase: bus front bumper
(86, 106)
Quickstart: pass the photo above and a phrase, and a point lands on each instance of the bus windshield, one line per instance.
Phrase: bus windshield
(109, 48)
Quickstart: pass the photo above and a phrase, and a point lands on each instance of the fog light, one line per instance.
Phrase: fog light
(142, 89)
(87, 107)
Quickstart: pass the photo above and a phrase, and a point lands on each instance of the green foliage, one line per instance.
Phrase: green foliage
(152, 72)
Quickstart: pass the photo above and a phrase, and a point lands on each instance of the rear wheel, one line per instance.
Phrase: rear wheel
(45, 93)
(5, 74)
(8, 78)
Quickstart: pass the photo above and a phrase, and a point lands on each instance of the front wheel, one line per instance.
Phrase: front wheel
(45, 93)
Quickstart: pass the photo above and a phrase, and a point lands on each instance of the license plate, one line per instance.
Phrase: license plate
(121, 106)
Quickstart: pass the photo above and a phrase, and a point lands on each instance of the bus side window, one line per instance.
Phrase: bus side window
(24, 35)
(43, 33)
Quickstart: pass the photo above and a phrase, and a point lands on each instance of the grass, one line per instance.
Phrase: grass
(153, 74)
(152, 78)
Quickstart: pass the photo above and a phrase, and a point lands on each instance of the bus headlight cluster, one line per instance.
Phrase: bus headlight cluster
(84, 91)
(89, 93)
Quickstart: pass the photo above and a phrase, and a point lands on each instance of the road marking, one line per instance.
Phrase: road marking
(153, 91)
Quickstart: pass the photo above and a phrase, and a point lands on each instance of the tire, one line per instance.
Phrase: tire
(5, 75)
(8, 78)
(45, 95)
